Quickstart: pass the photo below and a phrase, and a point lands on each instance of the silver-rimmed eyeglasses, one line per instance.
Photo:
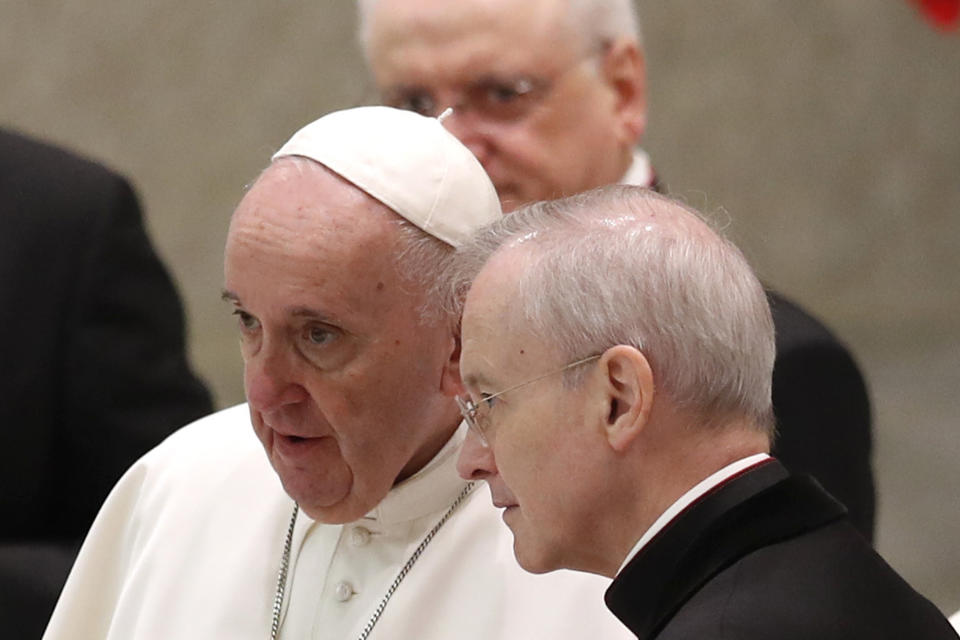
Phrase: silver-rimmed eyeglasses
(474, 413)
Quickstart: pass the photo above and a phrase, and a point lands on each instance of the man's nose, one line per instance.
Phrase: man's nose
(469, 129)
(271, 379)
(476, 461)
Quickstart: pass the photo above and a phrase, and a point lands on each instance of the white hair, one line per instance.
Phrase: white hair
(597, 21)
(624, 265)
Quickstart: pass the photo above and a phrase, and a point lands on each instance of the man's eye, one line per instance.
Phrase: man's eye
(319, 335)
(422, 103)
(487, 400)
(506, 92)
(246, 321)
(502, 93)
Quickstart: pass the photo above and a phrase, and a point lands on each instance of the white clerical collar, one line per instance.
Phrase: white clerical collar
(431, 489)
(428, 491)
(690, 497)
(640, 172)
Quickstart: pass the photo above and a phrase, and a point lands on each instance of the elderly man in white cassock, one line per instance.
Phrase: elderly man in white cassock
(355, 523)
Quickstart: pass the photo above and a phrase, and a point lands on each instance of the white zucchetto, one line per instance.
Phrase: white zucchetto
(409, 162)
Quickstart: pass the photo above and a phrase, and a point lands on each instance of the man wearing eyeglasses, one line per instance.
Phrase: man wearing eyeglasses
(550, 95)
(617, 356)
(328, 506)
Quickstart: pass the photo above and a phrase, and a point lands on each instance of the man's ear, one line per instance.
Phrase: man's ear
(450, 382)
(624, 70)
(627, 382)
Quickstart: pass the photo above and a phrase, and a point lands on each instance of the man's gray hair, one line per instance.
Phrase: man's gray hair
(624, 265)
(421, 259)
(597, 21)
(602, 21)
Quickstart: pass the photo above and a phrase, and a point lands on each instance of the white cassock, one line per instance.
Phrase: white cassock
(189, 543)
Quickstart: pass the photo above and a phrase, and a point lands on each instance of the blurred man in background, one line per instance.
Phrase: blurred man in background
(551, 97)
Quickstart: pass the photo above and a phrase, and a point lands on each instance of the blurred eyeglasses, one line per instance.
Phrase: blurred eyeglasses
(492, 98)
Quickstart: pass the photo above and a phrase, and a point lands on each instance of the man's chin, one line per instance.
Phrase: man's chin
(349, 509)
(511, 198)
(323, 499)
(510, 203)
(531, 562)
(530, 556)
(514, 195)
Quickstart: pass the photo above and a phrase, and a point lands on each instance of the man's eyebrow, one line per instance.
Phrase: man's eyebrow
(300, 312)
(315, 314)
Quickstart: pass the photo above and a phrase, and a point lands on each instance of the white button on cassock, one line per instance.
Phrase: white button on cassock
(343, 591)
(359, 536)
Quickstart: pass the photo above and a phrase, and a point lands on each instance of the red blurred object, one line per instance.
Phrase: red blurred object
(944, 14)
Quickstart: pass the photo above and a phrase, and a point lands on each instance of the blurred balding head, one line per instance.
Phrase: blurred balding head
(548, 94)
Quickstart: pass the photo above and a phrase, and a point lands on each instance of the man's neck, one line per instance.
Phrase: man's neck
(684, 456)
(689, 497)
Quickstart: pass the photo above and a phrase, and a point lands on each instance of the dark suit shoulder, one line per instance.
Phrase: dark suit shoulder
(822, 408)
(98, 372)
(20, 154)
(55, 201)
(826, 584)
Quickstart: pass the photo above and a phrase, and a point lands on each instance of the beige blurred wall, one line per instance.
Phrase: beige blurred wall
(827, 131)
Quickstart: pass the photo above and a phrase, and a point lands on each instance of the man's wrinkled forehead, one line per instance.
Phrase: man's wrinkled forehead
(296, 199)
(311, 240)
